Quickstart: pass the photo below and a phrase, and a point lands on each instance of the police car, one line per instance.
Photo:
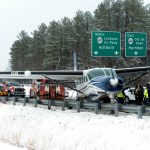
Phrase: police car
(129, 94)
(130, 97)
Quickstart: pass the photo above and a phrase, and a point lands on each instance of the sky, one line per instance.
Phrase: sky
(27, 127)
(17, 15)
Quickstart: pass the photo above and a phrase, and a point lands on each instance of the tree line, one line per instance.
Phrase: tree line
(51, 47)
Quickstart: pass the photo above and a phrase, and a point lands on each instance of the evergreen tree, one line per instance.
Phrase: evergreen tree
(19, 51)
(38, 47)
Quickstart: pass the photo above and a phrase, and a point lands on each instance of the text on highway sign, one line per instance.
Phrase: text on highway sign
(135, 44)
(106, 44)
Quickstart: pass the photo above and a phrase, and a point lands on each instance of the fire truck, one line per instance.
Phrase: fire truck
(47, 90)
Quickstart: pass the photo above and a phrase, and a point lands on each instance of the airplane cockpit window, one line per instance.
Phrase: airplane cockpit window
(86, 79)
(95, 72)
(114, 73)
(110, 72)
(107, 71)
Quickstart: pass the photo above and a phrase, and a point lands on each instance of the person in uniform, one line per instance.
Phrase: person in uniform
(147, 95)
(120, 97)
(139, 94)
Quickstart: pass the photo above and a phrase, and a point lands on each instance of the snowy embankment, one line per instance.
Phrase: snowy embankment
(43, 129)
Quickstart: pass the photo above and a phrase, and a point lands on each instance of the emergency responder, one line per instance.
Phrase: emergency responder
(139, 94)
(147, 95)
(120, 97)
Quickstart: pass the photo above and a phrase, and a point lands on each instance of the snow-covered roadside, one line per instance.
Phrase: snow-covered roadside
(6, 146)
(43, 129)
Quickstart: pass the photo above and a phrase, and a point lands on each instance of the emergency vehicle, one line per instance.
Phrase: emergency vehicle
(3, 91)
(47, 90)
(34, 89)
(14, 89)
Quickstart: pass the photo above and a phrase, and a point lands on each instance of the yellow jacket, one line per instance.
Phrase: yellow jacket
(120, 94)
(146, 93)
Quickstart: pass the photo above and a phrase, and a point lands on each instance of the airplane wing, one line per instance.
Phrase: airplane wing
(134, 69)
(59, 74)
(142, 71)
(56, 75)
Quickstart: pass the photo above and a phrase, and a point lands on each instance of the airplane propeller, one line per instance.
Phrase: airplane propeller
(114, 81)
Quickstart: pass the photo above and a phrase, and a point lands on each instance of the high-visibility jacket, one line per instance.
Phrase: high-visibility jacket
(120, 94)
(146, 93)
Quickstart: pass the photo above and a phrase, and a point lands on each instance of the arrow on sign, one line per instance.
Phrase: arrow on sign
(135, 53)
(116, 52)
(96, 52)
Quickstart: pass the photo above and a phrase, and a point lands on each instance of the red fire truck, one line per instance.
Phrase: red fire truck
(48, 90)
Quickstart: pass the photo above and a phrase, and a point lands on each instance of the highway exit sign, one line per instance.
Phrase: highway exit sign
(105, 44)
(135, 44)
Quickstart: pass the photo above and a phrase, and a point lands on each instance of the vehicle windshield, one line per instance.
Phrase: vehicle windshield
(14, 84)
(1, 87)
(101, 72)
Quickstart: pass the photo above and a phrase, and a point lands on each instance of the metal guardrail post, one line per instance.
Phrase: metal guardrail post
(35, 102)
(27, 99)
(63, 105)
(96, 108)
(7, 98)
(49, 104)
(78, 106)
(139, 112)
(16, 98)
(99, 105)
(116, 110)
(143, 109)
(24, 101)
(81, 103)
(3, 100)
(14, 101)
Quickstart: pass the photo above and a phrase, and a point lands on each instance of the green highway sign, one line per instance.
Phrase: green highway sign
(135, 44)
(105, 44)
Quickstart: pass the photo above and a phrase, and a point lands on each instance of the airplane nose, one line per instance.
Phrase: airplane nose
(113, 82)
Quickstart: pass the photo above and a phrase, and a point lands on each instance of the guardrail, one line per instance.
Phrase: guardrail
(78, 105)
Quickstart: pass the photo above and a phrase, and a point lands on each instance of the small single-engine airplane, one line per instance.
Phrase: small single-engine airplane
(93, 83)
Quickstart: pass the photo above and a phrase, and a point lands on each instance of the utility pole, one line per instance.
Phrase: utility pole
(75, 60)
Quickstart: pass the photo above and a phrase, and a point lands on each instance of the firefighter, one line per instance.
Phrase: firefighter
(120, 97)
(147, 95)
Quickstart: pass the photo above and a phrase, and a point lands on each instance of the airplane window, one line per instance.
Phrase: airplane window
(110, 72)
(95, 72)
(107, 71)
(114, 73)
(86, 79)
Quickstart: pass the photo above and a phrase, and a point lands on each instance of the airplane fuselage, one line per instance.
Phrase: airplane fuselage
(99, 82)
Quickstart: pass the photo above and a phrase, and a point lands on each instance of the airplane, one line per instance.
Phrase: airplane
(93, 84)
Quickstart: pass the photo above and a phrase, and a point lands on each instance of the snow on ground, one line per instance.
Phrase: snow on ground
(6, 146)
(43, 129)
